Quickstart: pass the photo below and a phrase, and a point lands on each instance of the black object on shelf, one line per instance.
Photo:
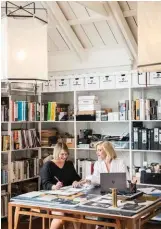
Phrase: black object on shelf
(85, 117)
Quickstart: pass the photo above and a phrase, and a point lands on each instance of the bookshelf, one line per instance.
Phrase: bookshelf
(108, 98)
(11, 155)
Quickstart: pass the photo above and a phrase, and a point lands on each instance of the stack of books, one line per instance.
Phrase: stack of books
(4, 109)
(5, 141)
(4, 203)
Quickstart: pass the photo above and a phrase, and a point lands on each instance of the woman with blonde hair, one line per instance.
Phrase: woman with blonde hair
(57, 173)
(107, 162)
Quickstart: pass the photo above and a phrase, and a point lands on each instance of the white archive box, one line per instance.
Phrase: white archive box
(154, 79)
(92, 82)
(52, 86)
(123, 80)
(62, 85)
(107, 81)
(77, 83)
(45, 87)
(138, 79)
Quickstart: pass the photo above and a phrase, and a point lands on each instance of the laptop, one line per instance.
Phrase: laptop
(113, 180)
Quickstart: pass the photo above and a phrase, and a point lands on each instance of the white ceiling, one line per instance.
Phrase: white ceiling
(79, 26)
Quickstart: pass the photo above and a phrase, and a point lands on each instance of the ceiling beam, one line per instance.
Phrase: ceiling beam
(62, 23)
(130, 13)
(87, 20)
(118, 14)
(95, 6)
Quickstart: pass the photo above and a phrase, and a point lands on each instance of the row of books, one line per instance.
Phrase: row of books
(22, 139)
(146, 139)
(146, 109)
(4, 176)
(25, 111)
(24, 169)
(54, 111)
(85, 167)
(4, 109)
(4, 203)
(5, 141)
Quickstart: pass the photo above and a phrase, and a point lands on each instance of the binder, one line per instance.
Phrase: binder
(140, 139)
(151, 139)
(159, 139)
(153, 109)
(156, 138)
(144, 139)
(135, 137)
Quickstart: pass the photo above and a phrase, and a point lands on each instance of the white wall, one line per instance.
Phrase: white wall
(103, 58)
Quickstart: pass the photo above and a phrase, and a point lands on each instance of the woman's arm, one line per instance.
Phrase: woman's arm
(75, 176)
(46, 178)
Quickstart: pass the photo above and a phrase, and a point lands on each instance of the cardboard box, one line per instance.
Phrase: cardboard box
(92, 82)
(86, 112)
(123, 81)
(62, 85)
(154, 79)
(52, 86)
(45, 87)
(70, 142)
(77, 84)
(108, 82)
(138, 79)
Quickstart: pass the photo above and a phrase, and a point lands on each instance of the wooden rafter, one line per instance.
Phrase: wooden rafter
(130, 13)
(87, 20)
(118, 14)
(63, 25)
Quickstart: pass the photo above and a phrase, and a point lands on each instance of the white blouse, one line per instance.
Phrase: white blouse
(117, 166)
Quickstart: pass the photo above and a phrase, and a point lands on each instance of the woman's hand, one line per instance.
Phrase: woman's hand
(76, 184)
(57, 186)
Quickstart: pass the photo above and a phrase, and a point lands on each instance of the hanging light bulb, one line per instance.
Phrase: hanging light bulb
(21, 55)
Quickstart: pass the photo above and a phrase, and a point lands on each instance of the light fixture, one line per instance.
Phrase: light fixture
(21, 55)
(24, 47)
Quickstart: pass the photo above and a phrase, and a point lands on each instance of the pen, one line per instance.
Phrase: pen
(56, 178)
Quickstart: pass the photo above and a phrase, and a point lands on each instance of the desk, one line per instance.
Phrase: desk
(79, 214)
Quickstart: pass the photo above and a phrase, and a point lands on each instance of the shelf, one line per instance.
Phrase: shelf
(52, 147)
(15, 122)
(3, 217)
(146, 120)
(4, 184)
(16, 150)
(4, 122)
(93, 149)
(4, 151)
(117, 121)
(142, 150)
(25, 180)
(57, 121)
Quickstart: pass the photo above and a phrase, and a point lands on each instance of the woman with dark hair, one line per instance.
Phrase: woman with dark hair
(57, 173)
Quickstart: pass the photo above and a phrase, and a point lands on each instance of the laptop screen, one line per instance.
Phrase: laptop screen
(113, 180)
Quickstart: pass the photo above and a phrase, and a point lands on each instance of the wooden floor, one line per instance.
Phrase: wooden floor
(37, 225)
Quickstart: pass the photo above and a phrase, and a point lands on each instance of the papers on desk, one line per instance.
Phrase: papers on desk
(150, 191)
(68, 190)
(30, 194)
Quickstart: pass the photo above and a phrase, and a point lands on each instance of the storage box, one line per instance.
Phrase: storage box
(62, 85)
(77, 84)
(123, 81)
(70, 142)
(52, 86)
(92, 82)
(138, 79)
(154, 79)
(45, 87)
(108, 82)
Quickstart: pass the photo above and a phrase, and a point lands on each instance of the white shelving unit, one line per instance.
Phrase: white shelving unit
(114, 94)
(109, 98)
(9, 125)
